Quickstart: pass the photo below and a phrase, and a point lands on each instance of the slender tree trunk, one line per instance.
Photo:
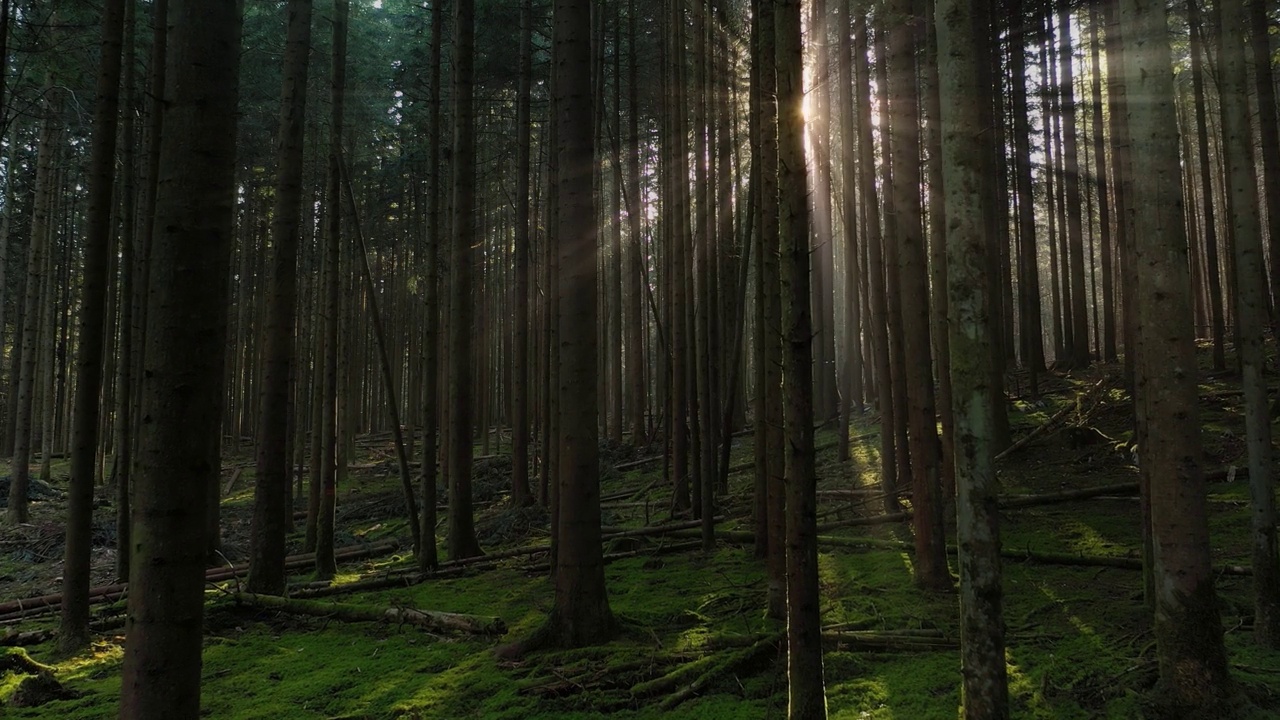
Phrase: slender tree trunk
(334, 406)
(1108, 350)
(875, 271)
(271, 482)
(806, 694)
(462, 535)
(985, 695)
(634, 254)
(520, 494)
(1218, 329)
(581, 615)
(1269, 145)
(851, 390)
(775, 440)
(1079, 306)
(73, 633)
(428, 556)
(1188, 630)
(1251, 295)
(17, 511)
(1032, 327)
(931, 557)
(183, 386)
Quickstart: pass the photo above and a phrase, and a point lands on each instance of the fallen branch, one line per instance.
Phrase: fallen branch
(24, 639)
(636, 464)
(1020, 501)
(888, 641)
(1053, 421)
(43, 604)
(427, 619)
(749, 656)
(235, 475)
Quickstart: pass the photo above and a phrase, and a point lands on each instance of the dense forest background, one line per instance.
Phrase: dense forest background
(849, 357)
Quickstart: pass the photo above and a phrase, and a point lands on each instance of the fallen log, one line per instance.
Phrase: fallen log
(610, 557)
(28, 607)
(746, 657)
(235, 476)
(426, 619)
(1009, 502)
(636, 464)
(888, 641)
(24, 639)
(1052, 422)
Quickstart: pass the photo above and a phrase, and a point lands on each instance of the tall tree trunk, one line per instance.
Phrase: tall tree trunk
(1251, 296)
(462, 535)
(581, 615)
(851, 390)
(17, 511)
(771, 270)
(1108, 350)
(73, 633)
(1071, 164)
(634, 254)
(520, 494)
(271, 481)
(931, 555)
(1269, 147)
(1032, 327)
(428, 555)
(875, 270)
(1188, 630)
(1218, 328)
(806, 699)
(985, 695)
(334, 406)
(183, 386)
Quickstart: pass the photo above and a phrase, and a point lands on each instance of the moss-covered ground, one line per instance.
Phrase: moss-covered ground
(1079, 638)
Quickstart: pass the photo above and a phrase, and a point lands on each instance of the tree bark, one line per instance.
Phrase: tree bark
(17, 511)
(581, 615)
(806, 695)
(1251, 296)
(271, 481)
(931, 570)
(462, 535)
(1218, 324)
(331, 426)
(1188, 630)
(183, 383)
(73, 633)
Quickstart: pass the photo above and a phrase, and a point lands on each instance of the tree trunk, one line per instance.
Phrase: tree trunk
(520, 494)
(331, 426)
(875, 271)
(17, 511)
(1218, 329)
(931, 570)
(1071, 164)
(806, 695)
(581, 615)
(428, 555)
(73, 633)
(1108, 350)
(183, 386)
(462, 535)
(1188, 631)
(271, 481)
(985, 693)
(1251, 296)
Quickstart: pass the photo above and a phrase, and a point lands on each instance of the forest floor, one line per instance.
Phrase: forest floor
(694, 641)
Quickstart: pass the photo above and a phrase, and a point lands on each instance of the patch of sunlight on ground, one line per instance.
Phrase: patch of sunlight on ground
(100, 654)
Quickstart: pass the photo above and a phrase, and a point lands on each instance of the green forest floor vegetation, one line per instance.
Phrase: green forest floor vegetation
(695, 643)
